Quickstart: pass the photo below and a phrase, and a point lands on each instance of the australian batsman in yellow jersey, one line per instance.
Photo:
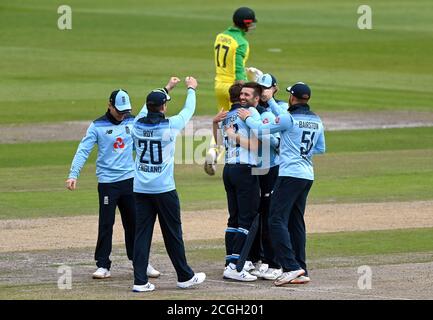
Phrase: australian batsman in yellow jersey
(231, 53)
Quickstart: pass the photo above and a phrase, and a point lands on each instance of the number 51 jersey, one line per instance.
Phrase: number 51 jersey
(302, 136)
(300, 143)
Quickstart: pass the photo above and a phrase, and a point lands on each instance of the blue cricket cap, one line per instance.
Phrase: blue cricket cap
(267, 80)
(157, 97)
(119, 99)
(300, 90)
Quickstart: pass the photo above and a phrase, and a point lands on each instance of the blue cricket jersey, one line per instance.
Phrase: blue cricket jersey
(302, 135)
(155, 140)
(115, 161)
(278, 107)
(268, 154)
(235, 153)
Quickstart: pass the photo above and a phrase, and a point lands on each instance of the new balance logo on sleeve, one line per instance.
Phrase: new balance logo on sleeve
(115, 150)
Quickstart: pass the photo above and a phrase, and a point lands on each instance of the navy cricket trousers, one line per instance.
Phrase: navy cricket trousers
(112, 195)
(286, 222)
(262, 246)
(167, 207)
(243, 192)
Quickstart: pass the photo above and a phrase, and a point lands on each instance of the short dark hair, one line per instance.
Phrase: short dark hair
(235, 92)
(254, 85)
(151, 107)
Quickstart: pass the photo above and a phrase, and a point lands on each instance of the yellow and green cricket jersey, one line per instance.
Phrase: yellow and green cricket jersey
(231, 53)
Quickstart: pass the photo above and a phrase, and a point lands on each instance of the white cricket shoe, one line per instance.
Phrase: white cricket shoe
(286, 277)
(101, 273)
(143, 288)
(248, 266)
(152, 272)
(301, 280)
(194, 281)
(210, 161)
(260, 270)
(272, 274)
(233, 274)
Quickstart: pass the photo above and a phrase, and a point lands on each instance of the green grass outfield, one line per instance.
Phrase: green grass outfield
(359, 166)
(53, 75)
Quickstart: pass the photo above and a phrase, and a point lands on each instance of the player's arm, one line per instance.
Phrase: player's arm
(83, 151)
(269, 139)
(167, 88)
(241, 52)
(267, 96)
(266, 139)
(171, 84)
(276, 108)
(284, 122)
(179, 121)
(141, 114)
(320, 146)
(284, 106)
(216, 120)
(274, 140)
(251, 143)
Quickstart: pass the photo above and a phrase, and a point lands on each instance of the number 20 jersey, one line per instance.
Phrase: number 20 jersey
(155, 147)
(155, 141)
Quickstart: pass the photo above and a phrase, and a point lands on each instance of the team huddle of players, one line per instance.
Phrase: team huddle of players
(251, 170)
(268, 147)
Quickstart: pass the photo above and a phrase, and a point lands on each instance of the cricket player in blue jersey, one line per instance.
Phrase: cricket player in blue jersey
(115, 172)
(242, 187)
(302, 135)
(270, 87)
(232, 136)
(260, 262)
(154, 187)
(262, 253)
